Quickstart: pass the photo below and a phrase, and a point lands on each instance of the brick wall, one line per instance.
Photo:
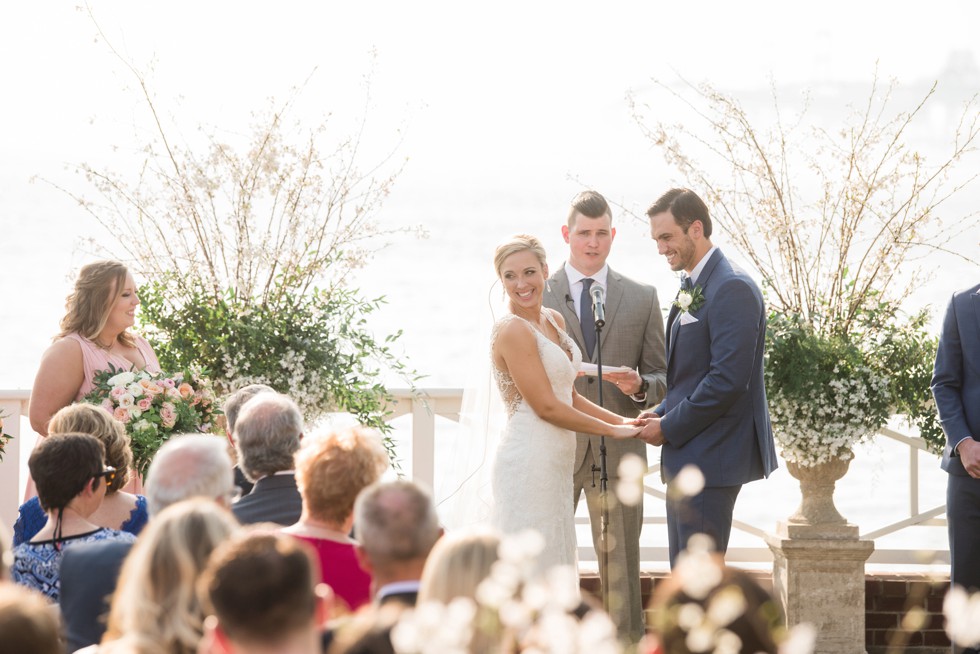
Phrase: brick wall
(888, 600)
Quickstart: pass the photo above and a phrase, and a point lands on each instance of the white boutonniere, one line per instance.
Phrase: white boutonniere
(691, 300)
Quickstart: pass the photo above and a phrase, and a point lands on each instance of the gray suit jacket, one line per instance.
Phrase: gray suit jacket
(956, 377)
(715, 414)
(633, 336)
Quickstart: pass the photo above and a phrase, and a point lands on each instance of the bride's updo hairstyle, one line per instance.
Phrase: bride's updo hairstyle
(520, 243)
(87, 308)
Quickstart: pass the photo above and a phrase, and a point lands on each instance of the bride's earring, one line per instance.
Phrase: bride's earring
(547, 285)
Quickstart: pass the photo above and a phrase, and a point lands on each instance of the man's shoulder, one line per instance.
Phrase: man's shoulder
(103, 551)
(630, 284)
(963, 294)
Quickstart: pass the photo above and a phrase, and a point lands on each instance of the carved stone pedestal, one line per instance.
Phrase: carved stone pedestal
(818, 577)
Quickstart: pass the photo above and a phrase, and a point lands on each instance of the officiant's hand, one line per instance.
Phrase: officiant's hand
(651, 432)
(628, 383)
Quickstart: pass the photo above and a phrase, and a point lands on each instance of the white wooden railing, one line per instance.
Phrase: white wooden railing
(427, 406)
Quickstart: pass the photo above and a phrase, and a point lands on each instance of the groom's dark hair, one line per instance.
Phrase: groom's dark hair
(590, 204)
(685, 206)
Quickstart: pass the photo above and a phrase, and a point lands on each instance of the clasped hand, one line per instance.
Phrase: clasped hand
(649, 432)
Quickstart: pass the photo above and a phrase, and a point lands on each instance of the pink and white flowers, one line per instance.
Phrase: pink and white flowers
(152, 406)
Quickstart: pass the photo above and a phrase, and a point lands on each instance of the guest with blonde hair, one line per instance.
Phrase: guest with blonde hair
(155, 609)
(331, 469)
(457, 564)
(119, 510)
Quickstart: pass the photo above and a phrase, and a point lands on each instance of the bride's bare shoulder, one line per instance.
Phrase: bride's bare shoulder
(510, 328)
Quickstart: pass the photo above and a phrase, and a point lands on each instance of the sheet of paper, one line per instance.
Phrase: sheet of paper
(592, 369)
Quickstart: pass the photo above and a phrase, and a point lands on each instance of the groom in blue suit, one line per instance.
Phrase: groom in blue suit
(714, 415)
(956, 387)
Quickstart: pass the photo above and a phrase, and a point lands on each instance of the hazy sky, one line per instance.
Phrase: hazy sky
(503, 110)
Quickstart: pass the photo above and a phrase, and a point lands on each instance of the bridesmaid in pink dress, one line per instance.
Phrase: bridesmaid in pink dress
(94, 333)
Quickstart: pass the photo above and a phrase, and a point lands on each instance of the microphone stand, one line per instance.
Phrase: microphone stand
(603, 481)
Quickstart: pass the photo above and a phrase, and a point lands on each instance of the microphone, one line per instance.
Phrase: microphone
(598, 294)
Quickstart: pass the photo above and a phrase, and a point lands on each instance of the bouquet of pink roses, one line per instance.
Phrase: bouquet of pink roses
(154, 405)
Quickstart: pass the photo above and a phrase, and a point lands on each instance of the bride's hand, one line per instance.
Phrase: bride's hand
(625, 431)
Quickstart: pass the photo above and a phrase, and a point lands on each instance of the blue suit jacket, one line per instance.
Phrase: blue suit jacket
(715, 413)
(956, 376)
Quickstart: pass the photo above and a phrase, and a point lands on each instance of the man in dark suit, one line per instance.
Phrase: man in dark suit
(267, 435)
(715, 414)
(956, 387)
(185, 467)
(397, 526)
(633, 337)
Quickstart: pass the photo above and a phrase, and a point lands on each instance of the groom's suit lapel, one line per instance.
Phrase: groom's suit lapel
(673, 318)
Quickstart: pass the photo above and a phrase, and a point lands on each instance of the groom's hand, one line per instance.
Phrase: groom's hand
(651, 432)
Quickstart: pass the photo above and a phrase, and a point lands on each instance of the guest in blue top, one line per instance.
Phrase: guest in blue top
(68, 470)
(119, 510)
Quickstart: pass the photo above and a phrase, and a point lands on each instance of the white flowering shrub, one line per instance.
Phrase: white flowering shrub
(825, 393)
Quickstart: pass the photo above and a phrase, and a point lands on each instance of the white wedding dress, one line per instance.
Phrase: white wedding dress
(532, 472)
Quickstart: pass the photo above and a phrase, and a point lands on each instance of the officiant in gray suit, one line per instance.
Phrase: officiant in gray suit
(633, 337)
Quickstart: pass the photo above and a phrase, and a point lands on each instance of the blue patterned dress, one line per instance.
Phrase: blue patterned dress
(37, 565)
(31, 518)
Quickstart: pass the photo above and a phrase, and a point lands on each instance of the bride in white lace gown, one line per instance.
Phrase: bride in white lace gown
(535, 363)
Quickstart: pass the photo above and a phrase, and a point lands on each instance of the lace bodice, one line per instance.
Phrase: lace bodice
(560, 369)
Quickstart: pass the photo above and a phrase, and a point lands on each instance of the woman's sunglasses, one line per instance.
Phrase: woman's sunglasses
(109, 473)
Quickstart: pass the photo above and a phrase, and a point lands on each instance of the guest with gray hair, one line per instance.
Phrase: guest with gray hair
(192, 465)
(187, 466)
(233, 404)
(397, 526)
(267, 435)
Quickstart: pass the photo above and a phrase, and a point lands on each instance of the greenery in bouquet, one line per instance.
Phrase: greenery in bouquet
(152, 406)
(4, 437)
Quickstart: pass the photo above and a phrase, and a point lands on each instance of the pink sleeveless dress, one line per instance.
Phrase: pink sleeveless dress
(95, 359)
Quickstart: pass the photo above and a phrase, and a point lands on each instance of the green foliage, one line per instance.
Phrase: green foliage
(828, 391)
(315, 347)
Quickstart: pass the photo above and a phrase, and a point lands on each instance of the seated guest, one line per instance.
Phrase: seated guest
(155, 607)
(120, 510)
(397, 525)
(331, 469)
(267, 434)
(731, 611)
(457, 565)
(27, 623)
(71, 477)
(185, 466)
(232, 406)
(259, 593)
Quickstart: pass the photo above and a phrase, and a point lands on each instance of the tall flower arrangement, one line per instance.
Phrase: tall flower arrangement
(834, 220)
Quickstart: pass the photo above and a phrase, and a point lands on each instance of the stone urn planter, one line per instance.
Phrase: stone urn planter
(817, 485)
